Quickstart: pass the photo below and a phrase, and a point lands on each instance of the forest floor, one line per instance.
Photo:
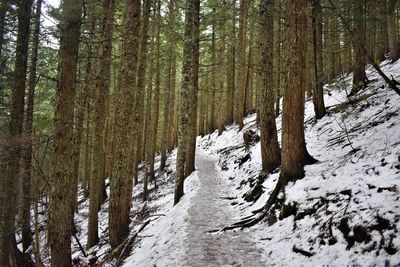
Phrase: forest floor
(344, 212)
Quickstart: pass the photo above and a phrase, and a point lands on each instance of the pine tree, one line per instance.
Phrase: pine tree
(192, 8)
(122, 169)
(294, 151)
(270, 150)
(13, 146)
(101, 89)
(60, 216)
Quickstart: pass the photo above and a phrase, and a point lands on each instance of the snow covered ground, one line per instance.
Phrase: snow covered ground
(344, 212)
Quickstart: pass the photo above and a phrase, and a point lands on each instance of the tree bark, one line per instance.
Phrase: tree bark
(60, 216)
(192, 122)
(270, 150)
(25, 212)
(102, 84)
(294, 152)
(192, 8)
(122, 169)
(359, 76)
(318, 94)
(14, 142)
(392, 30)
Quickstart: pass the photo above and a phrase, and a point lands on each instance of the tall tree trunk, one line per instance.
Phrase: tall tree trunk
(192, 8)
(122, 169)
(318, 94)
(213, 76)
(231, 77)
(25, 211)
(155, 105)
(100, 106)
(3, 22)
(60, 216)
(359, 76)
(13, 146)
(168, 90)
(241, 79)
(294, 152)
(192, 120)
(392, 30)
(222, 88)
(270, 150)
(140, 87)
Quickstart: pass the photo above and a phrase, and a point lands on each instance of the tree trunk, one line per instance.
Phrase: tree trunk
(359, 76)
(122, 170)
(168, 90)
(270, 150)
(241, 83)
(192, 121)
(60, 216)
(294, 152)
(25, 211)
(392, 30)
(318, 94)
(192, 8)
(102, 84)
(14, 142)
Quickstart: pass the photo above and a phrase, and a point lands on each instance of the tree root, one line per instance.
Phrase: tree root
(263, 212)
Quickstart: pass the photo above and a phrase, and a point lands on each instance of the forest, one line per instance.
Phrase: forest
(199, 133)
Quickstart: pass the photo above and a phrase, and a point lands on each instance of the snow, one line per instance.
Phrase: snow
(355, 184)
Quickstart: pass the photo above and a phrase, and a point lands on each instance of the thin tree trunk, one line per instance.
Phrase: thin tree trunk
(392, 30)
(318, 94)
(359, 76)
(25, 213)
(100, 106)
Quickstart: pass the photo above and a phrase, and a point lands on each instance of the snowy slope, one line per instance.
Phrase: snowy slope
(346, 207)
(352, 193)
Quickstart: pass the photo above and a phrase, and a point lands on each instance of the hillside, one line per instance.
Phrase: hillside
(345, 211)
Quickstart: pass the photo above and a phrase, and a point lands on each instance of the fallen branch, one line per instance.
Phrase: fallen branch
(122, 249)
(302, 252)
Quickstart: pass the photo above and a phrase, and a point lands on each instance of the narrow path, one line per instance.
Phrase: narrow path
(211, 211)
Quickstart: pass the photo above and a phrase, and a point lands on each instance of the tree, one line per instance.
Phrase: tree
(359, 76)
(192, 8)
(294, 151)
(101, 90)
(270, 150)
(122, 169)
(60, 216)
(193, 86)
(392, 29)
(14, 141)
(169, 92)
(25, 212)
(318, 94)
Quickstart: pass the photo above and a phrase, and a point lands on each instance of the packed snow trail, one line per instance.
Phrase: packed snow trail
(210, 210)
